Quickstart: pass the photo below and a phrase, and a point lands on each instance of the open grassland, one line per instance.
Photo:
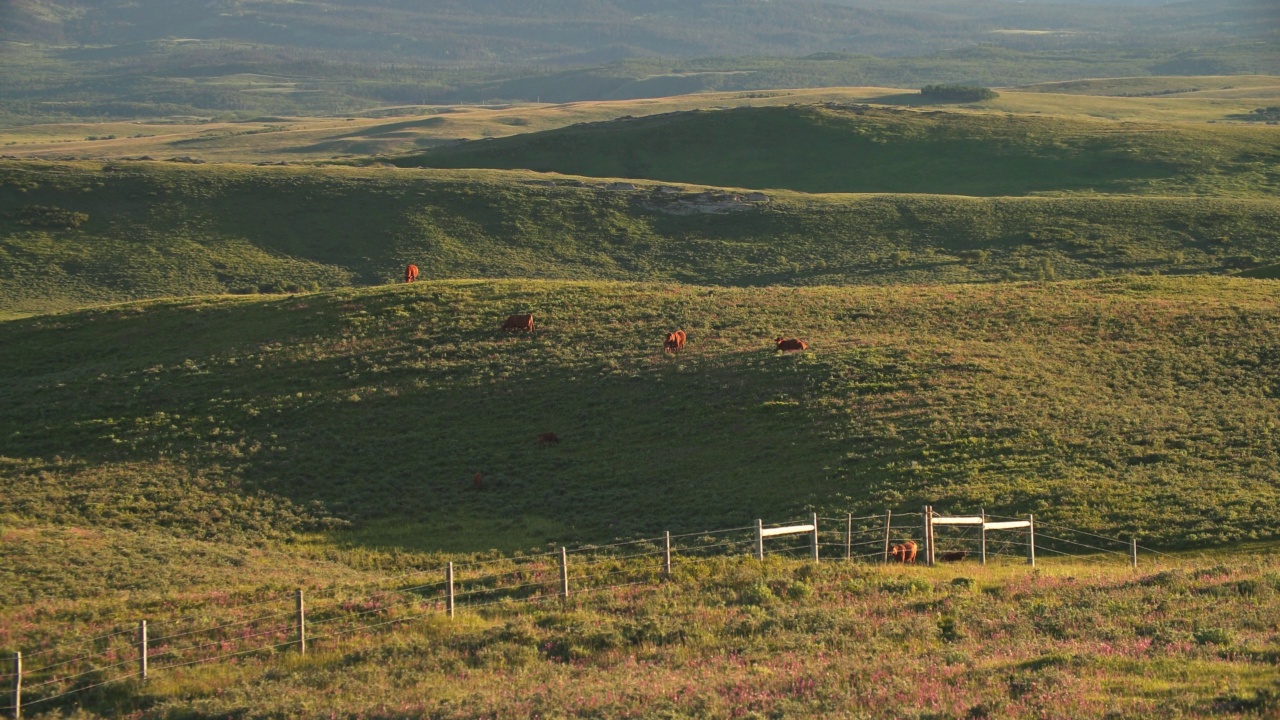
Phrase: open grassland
(856, 149)
(402, 129)
(1144, 405)
(1182, 86)
(80, 233)
(722, 638)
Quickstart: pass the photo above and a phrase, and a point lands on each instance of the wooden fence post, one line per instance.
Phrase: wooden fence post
(448, 580)
(564, 573)
(814, 538)
(984, 536)
(1031, 540)
(142, 649)
(848, 538)
(302, 623)
(759, 539)
(1133, 552)
(888, 522)
(666, 554)
(17, 686)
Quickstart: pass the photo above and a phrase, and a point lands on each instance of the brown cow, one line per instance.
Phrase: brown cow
(953, 556)
(790, 344)
(674, 341)
(477, 481)
(519, 322)
(904, 553)
(411, 273)
(548, 438)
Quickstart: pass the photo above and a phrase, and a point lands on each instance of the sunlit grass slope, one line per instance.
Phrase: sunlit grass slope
(1142, 405)
(80, 233)
(821, 149)
(1184, 639)
(403, 129)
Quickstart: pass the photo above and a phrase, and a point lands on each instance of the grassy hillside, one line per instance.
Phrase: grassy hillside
(73, 234)
(822, 149)
(1141, 405)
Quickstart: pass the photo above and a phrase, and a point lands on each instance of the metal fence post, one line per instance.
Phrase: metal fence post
(302, 623)
(814, 538)
(448, 579)
(142, 649)
(759, 539)
(888, 522)
(1133, 552)
(925, 513)
(17, 686)
(984, 536)
(1031, 540)
(666, 554)
(564, 573)
(848, 538)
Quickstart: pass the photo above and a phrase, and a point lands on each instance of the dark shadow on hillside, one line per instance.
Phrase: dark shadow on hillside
(648, 443)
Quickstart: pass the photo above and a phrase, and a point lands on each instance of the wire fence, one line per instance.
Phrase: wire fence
(69, 670)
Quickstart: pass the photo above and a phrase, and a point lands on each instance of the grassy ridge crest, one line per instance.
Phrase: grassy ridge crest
(865, 149)
(165, 229)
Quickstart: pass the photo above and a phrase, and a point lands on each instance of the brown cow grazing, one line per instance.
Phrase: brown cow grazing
(791, 344)
(411, 273)
(548, 438)
(477, 481)
(674, 341)
(904, 553)
(953, 556)
(519, 322)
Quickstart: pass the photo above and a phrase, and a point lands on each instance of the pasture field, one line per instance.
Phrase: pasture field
(178, 459)
(181, 458)
(401, 129)
(73, 234)
(1184, 637)
(1141, 404)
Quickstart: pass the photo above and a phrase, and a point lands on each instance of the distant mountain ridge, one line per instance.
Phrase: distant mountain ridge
(63, 60)
(568, 31)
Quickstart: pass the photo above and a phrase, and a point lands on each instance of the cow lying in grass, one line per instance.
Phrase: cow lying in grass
(904, 553)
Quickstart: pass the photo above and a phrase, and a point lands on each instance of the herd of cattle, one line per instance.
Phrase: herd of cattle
(674, 341)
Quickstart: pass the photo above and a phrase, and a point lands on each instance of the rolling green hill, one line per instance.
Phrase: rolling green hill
(1141, 405)
(862, 149)
(80, 233)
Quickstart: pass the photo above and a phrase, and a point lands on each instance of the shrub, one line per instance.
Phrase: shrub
(957, 93)
(1241, 262)
(49, 217)
(948, 630)
(1213, 636)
